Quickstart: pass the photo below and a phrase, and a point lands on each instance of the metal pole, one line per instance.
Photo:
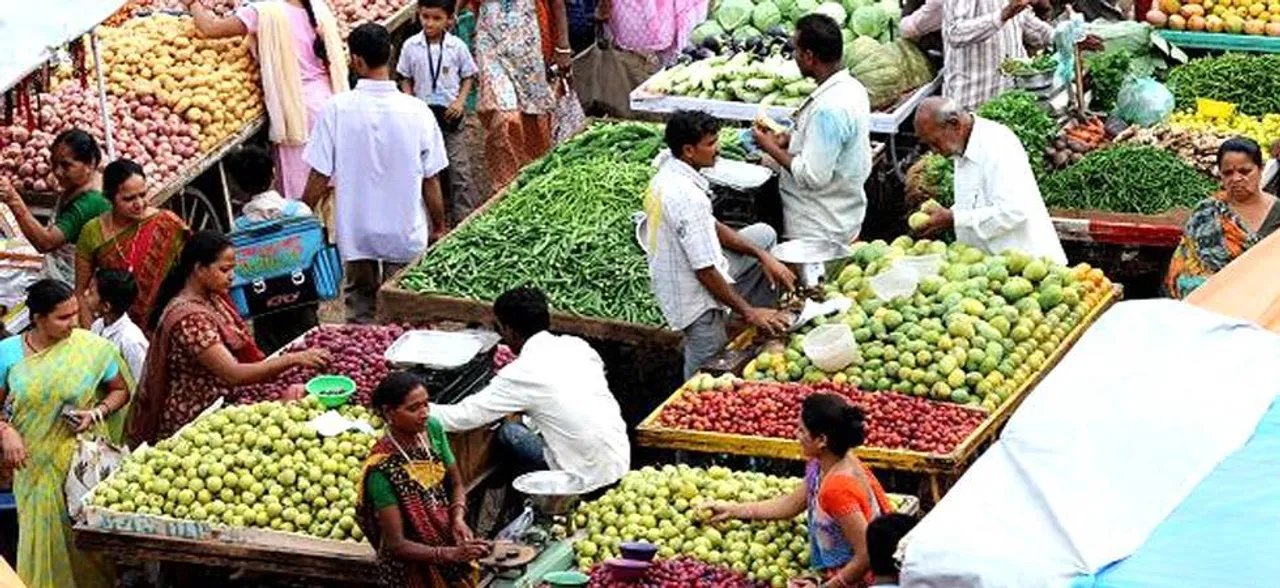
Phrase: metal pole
(102, 96)
(226, 194)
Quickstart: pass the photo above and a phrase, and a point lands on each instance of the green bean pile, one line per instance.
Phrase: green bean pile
(1129, 179)
(1251, 82)
(567, 231)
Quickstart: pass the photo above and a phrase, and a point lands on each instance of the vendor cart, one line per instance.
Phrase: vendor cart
(938, 471)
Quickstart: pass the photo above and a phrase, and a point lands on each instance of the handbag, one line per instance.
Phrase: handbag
(94, 461)
(283, 263)
(568, 117)
(604, 75)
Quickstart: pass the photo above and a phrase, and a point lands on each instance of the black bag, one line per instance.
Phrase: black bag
(446, 125)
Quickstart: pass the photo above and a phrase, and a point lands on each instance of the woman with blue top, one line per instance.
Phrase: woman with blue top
(839, 493)
(56, 381)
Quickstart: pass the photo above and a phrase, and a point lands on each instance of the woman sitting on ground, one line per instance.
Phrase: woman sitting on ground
(412, 518)
(1223, 227)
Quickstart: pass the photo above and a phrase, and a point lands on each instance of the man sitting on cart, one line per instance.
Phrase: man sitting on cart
(557, 382)
(691, 276)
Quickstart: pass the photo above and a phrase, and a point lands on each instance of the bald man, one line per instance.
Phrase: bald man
(997, 202)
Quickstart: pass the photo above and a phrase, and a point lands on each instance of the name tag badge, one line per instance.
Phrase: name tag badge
(438, 97)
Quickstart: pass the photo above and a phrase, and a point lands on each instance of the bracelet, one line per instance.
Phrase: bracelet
(564, 51)
(459, 506)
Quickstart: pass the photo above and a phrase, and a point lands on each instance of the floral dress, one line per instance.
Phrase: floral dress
(513, 75)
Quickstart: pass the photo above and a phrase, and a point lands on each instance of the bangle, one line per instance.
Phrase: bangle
(458, 506)
(564, 51)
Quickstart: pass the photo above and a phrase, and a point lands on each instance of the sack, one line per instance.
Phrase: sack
(1143, 101)
(568, 117)
(604, 76)
(284, 263)
(94, 460)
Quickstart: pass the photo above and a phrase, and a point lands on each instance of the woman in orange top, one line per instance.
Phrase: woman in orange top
(840, 494)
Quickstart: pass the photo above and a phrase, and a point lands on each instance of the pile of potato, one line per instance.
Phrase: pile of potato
(210, 83)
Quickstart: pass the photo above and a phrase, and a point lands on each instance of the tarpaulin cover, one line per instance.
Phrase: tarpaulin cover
(1223, 534)
(28, 34)
(1247, 288)
(1153, 397)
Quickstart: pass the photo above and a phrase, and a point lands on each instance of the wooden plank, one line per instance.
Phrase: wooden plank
(347, 569)
(650, 434)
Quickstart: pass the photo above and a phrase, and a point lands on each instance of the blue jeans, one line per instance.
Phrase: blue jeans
(523, 447)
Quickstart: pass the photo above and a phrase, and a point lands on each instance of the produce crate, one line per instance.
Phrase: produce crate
(651, 434)
(399, 305)
(1222, 41)
(886, 122)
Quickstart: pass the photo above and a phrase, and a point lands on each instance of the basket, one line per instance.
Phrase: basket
(331, 391)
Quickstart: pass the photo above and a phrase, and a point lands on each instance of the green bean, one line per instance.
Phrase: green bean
(1252, 82)
(1129, 179)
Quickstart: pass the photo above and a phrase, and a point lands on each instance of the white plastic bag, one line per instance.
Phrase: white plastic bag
(93, 462)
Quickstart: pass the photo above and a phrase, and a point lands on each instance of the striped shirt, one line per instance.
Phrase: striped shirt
(977, 40)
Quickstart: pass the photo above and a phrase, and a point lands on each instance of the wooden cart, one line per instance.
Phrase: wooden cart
(940, 471)
(1133, 249)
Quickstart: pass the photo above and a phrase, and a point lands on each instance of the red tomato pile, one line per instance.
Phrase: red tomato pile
(894, 421)
(356, 352)
(675, 573)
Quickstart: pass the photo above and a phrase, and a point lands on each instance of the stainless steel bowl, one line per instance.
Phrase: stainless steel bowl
(1037, 81)
(801, 251)
(551, 492)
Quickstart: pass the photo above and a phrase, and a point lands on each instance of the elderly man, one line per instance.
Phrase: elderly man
(997, 202)
(979, 35)
(827, 159)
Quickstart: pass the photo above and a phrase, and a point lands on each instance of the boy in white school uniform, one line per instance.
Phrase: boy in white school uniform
(437, 68)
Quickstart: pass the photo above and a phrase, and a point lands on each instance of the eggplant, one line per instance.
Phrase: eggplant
(705, 53)
(777, 31)
(684, 59)
(713, 43)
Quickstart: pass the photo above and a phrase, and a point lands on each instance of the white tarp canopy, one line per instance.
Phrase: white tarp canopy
(31, 31)
(1150, 400)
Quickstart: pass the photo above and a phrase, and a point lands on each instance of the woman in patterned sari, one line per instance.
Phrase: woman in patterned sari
(56, 381)
(133, 236)
(514, 42)
(201, 349)
(417, 527)
(1222, 228)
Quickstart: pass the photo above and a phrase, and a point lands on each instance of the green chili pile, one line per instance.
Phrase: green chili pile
(1251, 82)
(564, 226)
(1129, 179)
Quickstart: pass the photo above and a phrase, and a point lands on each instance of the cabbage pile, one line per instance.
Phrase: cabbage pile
(744, 19)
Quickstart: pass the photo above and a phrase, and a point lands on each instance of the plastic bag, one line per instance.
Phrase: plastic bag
(1144, 101)
(568, 117)
(1065, 37)
(94, 460)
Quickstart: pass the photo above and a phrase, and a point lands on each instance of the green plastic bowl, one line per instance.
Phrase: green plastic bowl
(566, 579)
(331, 391)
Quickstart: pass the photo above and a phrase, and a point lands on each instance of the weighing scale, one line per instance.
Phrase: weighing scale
(811, 257)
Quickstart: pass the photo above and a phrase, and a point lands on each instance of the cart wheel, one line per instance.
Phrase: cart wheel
(199, 213)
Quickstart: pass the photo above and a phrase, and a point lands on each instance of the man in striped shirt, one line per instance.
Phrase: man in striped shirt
(979, 35)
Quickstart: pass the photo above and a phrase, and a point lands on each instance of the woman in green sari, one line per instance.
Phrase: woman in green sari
(56, 381)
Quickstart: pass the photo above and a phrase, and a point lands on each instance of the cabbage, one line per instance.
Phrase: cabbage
(803, 7)
(846, 36)
(708, 28)
(893, 10)
(858, 50)
(852, 5)
(746, 32)
(869, 20)
(787, 8)
(833, 10)
(765, 15)
(732, 14)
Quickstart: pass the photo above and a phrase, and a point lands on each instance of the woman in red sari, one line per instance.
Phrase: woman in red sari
(201, 349)
(413, 520)
(133, 236)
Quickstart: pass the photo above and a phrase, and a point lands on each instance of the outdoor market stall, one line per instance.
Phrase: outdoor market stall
(939, 362)
(1055, 502)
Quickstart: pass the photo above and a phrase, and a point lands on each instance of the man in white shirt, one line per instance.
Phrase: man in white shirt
(110, 294)
(557, 382)
(826, 160)
(997, 201)
(691, 277)
(381, 150)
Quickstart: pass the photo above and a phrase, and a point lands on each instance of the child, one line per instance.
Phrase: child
(883, 535)
(111, 293)
(437, 68)
(254, 171)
